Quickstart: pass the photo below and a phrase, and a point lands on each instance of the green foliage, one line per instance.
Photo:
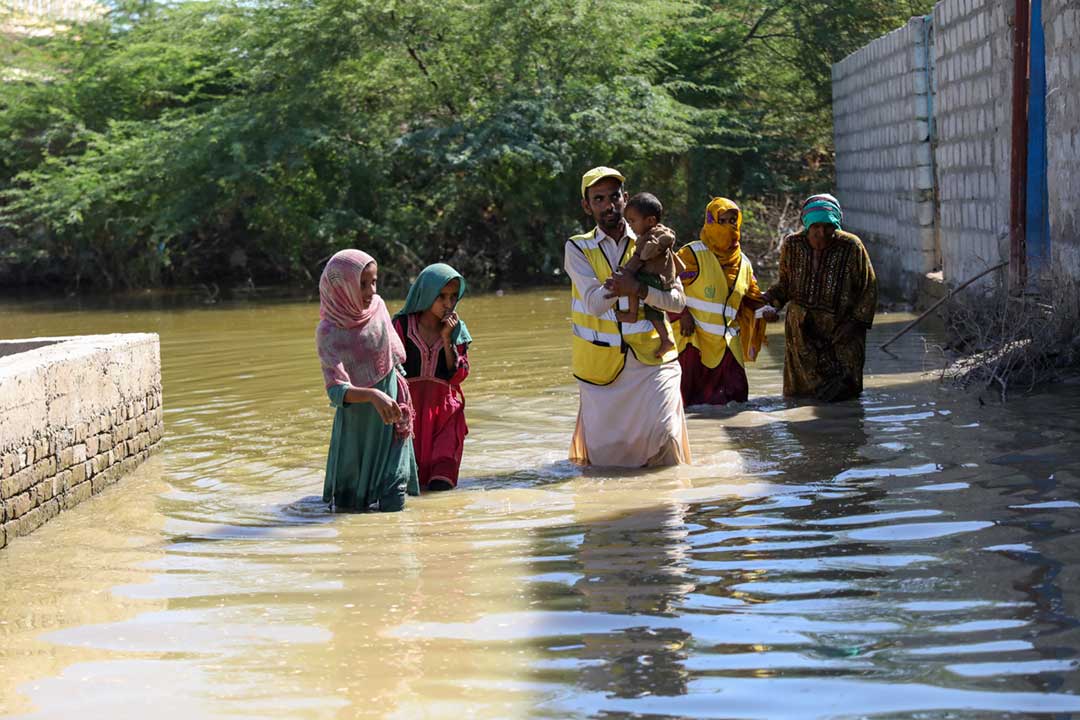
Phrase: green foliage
(153, 147)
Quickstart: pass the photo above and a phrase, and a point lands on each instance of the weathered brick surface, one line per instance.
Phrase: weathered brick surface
(76, 414)
(884, 163)
(63, 482)
(970, 127)
(17, 483)
(45, 469)
(77, 494)
(37, 517)
(20, 505)
(1061, 23)
(973, 52)
(64, 458)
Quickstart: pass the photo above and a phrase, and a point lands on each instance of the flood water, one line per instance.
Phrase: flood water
(912, 554)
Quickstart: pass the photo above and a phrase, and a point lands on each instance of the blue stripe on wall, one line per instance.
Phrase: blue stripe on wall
(1038, 216)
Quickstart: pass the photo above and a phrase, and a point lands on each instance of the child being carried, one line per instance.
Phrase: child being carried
(653, 262)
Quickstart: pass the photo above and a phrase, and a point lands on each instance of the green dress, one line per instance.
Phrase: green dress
(366, 464)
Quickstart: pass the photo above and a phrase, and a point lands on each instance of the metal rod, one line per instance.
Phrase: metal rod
(1018, 154)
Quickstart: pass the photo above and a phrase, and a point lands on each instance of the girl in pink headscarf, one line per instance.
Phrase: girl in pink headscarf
(370, 464)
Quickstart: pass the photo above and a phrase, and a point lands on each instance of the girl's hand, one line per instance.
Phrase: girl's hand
(388, 410)
(449, 323)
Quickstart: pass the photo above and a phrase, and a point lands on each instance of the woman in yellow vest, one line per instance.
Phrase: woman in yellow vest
(718, 332)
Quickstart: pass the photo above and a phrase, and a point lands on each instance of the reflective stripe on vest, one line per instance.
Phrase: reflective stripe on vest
(732, 330)
(597, 345)
(596, 337)
(579, 307)
(713, 308)
(600, 342)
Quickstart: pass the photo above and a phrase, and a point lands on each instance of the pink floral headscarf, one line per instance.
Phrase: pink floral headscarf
(357, 345)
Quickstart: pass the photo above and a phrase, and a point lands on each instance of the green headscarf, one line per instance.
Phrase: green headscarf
(429, 283)
(823, 208)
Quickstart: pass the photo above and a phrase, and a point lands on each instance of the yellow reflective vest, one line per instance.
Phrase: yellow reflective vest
(600, 342)
(715, 307)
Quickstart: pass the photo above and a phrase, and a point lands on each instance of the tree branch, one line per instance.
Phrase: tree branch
(423, 68)
(765, 17)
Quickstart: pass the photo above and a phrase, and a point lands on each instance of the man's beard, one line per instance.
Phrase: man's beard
(611, 223)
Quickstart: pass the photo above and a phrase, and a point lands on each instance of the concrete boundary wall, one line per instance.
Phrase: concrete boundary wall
(884, 159)
(76, 414)
(971, 94)
(973, 113)
(1061, 23)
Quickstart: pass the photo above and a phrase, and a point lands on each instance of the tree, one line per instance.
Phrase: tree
(171, 135)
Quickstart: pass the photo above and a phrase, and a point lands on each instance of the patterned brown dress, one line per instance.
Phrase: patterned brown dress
(829, 312)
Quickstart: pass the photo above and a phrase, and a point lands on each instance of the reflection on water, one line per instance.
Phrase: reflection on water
(910, 554)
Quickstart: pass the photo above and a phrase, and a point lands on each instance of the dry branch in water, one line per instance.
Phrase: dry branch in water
(766, 222)
(1009, 342)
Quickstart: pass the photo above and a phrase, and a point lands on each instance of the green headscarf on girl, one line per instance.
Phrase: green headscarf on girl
(426, 288)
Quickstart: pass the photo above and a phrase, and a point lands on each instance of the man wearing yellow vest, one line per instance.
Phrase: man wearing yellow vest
(631, 411)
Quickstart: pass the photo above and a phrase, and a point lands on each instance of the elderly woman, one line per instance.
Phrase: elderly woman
(718, 331)
(829, 286)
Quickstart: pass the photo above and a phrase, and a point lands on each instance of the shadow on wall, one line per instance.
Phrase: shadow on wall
(13, 347)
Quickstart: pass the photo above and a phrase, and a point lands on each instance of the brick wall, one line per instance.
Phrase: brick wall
(76, 414)
(1061, 21)
(884, 164)
(877, 98)
(973, 59)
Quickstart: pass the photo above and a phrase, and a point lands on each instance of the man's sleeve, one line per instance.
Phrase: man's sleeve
(580, 271)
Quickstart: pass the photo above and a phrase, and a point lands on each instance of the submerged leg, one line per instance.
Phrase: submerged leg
(438, 484)
(394, 500)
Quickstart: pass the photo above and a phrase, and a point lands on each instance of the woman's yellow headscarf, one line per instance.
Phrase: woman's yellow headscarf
(722, 239)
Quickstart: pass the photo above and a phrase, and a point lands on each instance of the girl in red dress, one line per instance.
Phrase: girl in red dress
(436, 362)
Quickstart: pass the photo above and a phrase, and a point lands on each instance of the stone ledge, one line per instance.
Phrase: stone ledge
(76, 414)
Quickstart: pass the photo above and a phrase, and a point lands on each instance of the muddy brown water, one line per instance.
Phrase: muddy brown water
(911, 554)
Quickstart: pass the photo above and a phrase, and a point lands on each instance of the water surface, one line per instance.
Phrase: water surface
(906, 555)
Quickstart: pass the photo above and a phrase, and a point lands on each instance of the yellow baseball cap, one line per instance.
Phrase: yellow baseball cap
(596, 175)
